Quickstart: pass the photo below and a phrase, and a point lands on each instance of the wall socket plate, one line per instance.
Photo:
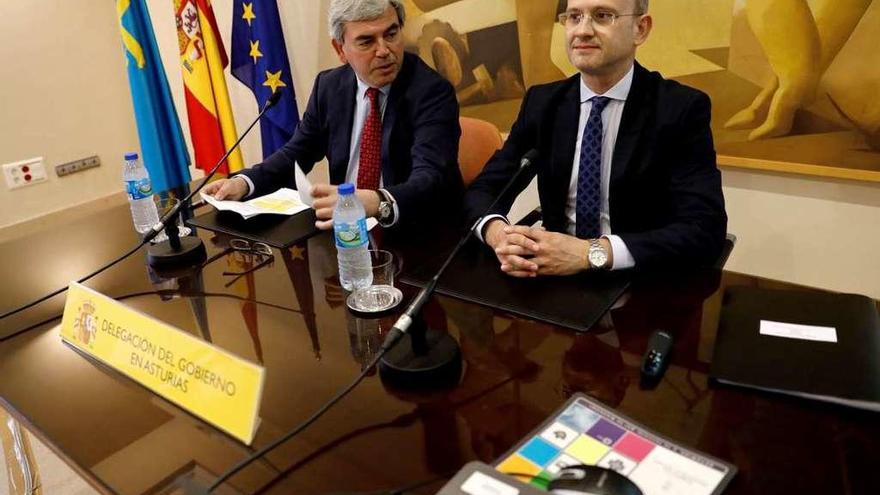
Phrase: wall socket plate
(24, 173)
(77, 166)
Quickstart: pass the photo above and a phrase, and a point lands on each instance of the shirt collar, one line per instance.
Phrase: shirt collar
(619, 91)
(363, 87)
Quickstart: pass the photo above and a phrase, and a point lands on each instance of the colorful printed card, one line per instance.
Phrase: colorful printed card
(585, 432)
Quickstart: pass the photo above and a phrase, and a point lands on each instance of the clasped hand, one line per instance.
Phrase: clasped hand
(526, 252)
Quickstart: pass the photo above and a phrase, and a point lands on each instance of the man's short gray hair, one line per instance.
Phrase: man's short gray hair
(342, 11)
(641, 7)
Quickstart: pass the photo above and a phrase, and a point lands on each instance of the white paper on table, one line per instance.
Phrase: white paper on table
(303, 185)
(281, 202)
(799, 332)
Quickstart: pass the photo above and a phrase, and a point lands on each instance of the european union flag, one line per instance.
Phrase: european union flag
(162, 144)
(259, 60)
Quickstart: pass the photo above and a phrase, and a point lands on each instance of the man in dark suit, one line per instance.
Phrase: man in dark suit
(626, 173)
(386, 122)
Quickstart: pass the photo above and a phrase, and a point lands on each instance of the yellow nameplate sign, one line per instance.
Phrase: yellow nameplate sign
(207, 381)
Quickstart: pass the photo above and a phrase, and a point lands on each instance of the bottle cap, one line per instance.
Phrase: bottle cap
(131, 156)
(347, 188)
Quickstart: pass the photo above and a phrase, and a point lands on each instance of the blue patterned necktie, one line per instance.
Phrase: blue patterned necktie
(589, 184)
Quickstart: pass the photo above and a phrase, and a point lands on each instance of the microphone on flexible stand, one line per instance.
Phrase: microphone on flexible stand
(182, 251)
(433, 360)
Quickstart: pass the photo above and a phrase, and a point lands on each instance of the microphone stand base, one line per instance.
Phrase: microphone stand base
(424, 360)
(163, 255)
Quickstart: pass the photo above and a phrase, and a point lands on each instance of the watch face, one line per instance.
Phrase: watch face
(384, 210)
(598, 258)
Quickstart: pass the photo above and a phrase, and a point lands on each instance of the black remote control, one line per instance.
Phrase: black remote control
(657, 355)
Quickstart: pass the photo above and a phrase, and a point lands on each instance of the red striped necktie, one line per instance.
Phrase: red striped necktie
(370, 164)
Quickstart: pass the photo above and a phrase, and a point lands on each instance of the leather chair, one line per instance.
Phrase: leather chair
(479, 141)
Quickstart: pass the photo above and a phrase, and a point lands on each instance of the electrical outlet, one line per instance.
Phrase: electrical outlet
(77, 166)
(24, 173)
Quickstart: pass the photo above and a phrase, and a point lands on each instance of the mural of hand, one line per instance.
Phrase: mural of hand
(800, 44)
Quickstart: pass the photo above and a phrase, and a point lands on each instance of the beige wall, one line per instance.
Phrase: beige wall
(68, 98)
(821, 233)
(63, 96)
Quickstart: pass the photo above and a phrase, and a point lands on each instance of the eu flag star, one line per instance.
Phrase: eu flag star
(297, 253)
(255, 51)
(273, 80)
(248, 13)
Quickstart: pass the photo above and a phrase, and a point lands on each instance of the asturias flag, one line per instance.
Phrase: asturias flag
(203, 59)
(259, 60)
(162, 145)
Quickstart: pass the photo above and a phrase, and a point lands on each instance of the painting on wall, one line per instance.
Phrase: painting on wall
(792, 82)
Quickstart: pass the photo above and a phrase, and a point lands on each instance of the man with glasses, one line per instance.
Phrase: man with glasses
(626, 174)
(385, 121)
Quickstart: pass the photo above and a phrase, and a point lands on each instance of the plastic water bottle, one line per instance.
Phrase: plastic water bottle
(140, 194)
(350, 229)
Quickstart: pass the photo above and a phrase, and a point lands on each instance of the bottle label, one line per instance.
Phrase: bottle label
(351, 235)
(139, 189)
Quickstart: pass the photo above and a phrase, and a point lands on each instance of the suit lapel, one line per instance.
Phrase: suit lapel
(565, 129)
(392, 111)
(346, 111)
(388, 121)
(631, 124)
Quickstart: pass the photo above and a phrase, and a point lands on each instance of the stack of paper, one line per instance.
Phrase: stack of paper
(281, 202)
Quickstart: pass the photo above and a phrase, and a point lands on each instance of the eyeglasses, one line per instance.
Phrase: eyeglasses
(599, 18)
(242, 251)
(247, 246)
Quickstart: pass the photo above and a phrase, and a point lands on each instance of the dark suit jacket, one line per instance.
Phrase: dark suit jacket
(665, 194)
(419, 139)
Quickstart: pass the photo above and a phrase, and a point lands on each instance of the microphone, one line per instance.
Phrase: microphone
(444, 358)
(403, 323)
(526, 161)
(177, 251)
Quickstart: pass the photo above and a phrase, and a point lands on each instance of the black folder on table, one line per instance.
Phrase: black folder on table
(575, 302)
(278, 231)
(846, 371)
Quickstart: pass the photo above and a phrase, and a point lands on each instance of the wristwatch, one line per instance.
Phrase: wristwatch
(385, 216)
(597, 256)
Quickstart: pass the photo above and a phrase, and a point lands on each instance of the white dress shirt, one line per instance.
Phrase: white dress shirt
(361, 111)
(611, 116)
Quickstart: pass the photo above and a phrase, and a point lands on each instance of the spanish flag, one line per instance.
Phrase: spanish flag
(203, 59)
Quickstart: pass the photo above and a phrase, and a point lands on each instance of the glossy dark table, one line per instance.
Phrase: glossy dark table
(289, 316)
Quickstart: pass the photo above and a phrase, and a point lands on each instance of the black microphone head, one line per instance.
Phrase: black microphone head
(274, 99)
(529, 158)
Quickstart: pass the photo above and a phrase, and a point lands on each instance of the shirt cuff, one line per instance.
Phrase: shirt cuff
(394, 207)
(247, 180)
(478, 228)
(622, 258)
